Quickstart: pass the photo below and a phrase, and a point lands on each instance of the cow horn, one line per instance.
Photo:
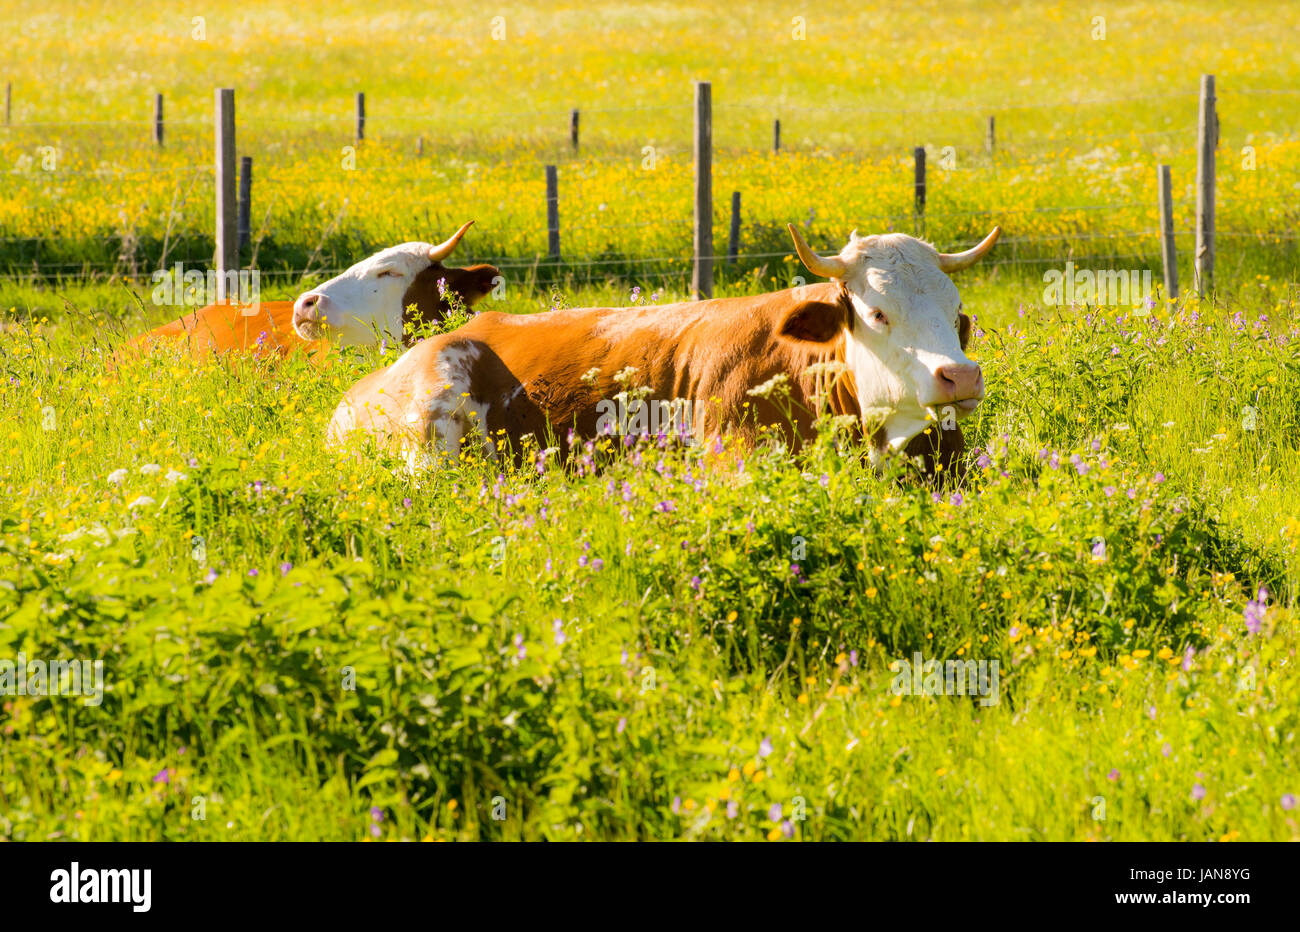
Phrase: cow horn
(956, 261)
(438, 253)
(818, 265)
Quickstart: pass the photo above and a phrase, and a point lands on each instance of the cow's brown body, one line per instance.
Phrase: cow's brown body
(266, 328)
(519, 375)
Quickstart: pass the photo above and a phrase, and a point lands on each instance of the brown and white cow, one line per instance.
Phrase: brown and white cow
(384, 288)
(891, 319)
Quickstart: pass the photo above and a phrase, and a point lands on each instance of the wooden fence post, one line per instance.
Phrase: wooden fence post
(227, 253)
(158, 119)
(573, 128)
(990, 138)
(1207, 138)
(918, 156)
(1167, 253)
(552, 213)
(419, 147)
(776, 137)
(733, 241)
(9, 97)
(245, 200)
(361, 115)
(702, 273)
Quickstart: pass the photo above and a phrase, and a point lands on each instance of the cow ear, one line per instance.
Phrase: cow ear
(963, 330)
(814, 322)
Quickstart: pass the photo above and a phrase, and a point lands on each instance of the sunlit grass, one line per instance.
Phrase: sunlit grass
(307, 644)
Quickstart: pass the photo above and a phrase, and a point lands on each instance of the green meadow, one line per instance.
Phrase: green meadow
(653, 641)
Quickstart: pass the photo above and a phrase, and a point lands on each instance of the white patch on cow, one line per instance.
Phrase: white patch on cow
(444, 406)
(342, 423)
(896, 364)
(366, 299)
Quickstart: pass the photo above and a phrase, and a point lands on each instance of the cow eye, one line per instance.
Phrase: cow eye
(879, 317)
(384, 272)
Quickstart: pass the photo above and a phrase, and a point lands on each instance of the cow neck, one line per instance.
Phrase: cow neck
(840, 390)
(421, 303)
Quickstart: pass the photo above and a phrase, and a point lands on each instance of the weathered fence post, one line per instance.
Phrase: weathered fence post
(419, 147)
(918, 156)
(1167, 253)
(1207, 138)
(361, 115)
(552, 213)
(9, 97)
(776, 137)
(158, 119)
(227, 254)
(573, 128)
(733, 241)
(990, 138)
(245, 200)
(702, 274)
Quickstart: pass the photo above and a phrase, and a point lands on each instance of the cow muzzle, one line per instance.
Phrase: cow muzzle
(960, 385)
(309, 317)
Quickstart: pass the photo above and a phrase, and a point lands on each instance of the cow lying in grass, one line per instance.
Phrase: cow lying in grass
(888, 330)
(389, 290)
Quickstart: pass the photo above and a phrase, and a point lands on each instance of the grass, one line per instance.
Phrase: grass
(302, 644)
(443, 648)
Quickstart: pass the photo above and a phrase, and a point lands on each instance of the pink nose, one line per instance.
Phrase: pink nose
(308, 313)
(959, 382)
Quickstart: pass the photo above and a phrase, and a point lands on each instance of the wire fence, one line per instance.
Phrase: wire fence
(992, 153)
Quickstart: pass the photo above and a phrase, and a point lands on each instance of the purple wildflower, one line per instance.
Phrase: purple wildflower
(1255, 611)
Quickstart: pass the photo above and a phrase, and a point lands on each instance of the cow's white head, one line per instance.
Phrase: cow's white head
(905, 334)
(367, 298)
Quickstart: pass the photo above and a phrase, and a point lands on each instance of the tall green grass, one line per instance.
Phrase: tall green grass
(639, 648)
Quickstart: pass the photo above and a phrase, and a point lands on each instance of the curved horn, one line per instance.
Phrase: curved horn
(956, 261)
(826, 267)
(438, 253)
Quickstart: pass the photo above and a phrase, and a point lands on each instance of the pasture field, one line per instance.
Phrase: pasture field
(661, 642)
(1081, 126)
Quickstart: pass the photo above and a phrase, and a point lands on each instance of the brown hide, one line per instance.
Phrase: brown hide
(527, 370)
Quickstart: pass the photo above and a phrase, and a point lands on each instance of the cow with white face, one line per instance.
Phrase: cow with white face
(407, 284)
(903, 340)
(882, 343)
(371, 299)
